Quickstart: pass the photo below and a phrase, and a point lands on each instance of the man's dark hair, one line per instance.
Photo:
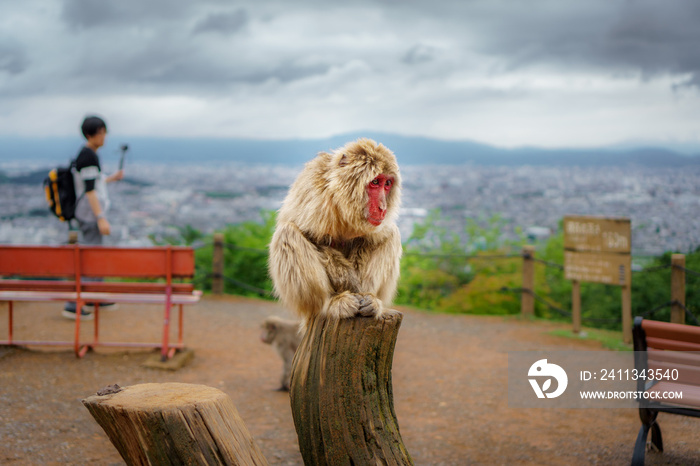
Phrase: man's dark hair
(91, 125)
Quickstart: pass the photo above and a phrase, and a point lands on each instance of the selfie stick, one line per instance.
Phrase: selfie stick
(123, 148)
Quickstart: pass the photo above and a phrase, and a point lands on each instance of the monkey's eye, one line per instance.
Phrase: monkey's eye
(375, 182)
(388, 183)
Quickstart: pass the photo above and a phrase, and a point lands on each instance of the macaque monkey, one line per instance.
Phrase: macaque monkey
(284, 336)
(336, 249)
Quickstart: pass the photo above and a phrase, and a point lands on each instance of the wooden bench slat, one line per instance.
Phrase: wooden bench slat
(673, 345)
(107, 287)
(37, 261)
(144, 298)
(686, 374)
(687, 333)
(126, 262)
(677, 357)
(95, 261)
(20, 295)
(691, 394)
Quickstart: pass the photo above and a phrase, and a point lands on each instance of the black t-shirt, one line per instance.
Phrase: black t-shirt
(88, 158)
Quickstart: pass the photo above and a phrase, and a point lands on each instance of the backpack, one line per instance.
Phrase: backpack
(60, 192)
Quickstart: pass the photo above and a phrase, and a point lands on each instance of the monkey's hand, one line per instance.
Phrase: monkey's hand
(344, 305)
(370, 305)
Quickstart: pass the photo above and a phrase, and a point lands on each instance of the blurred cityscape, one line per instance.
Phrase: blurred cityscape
(154, 200)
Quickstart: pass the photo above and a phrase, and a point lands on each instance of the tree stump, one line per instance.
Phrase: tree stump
(174, 423)
(341, 393)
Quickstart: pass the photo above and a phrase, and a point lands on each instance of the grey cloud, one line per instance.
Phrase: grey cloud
(293, 72)
(185, 73)
(657, 40)
(418, 54)
(647, 37)
(86, 14)
(166, 66)
(224, 23)
(165, 56)
(13, 60)
(169, 42)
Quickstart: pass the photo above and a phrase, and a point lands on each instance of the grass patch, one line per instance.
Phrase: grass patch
(608, 338)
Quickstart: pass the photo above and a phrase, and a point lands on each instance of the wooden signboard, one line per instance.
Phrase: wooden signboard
(598, 267)
(598, 249)
(597, 234)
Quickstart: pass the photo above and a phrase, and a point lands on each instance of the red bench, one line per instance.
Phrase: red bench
(665, 347)
(32, 273)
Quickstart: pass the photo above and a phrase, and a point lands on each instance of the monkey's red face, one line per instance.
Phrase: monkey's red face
(378, 190)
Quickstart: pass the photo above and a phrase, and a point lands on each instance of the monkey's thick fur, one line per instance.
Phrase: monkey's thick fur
(326, 258)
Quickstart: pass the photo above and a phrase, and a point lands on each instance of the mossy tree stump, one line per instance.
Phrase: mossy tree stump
(174, 423)
(341, 393)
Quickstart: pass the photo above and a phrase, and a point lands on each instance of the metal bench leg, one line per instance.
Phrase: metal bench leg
(80, 351)
(78, 312)
(10, 323)
(640, 446)
(648, 418)
(96, 338)
(164, 354)
(656, 439)
(180, 322)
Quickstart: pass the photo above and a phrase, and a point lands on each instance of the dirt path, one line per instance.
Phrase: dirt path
(450, 389)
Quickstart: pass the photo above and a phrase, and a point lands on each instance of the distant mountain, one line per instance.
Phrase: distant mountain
(409, 150)
(36, 177)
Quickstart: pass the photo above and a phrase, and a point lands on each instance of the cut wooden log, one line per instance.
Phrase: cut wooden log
(174, 423)
(341, 393)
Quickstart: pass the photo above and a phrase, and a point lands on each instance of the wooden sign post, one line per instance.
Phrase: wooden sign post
(527, 300)
(598, 249)
(678, 289)
(217, 265)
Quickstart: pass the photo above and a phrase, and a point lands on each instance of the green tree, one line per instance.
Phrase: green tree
(488, 291)
(186, 235)
(651, 288)
(439, 270)
(601, 305)
(245, 258)
(245, 255)
(433, 265)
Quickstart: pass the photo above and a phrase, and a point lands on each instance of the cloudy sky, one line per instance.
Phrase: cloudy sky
(549, 73)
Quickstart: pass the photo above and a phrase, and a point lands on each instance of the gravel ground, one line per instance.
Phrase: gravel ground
(450, 389)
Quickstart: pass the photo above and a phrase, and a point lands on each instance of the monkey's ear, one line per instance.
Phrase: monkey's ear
(343, 160)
